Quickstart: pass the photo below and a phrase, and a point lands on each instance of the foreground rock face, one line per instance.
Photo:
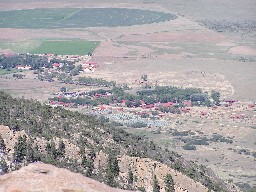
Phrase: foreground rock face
(48, 178)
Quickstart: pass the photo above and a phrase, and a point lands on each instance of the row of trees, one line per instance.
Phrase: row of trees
(35, 61)
(88, 81)
(159, 94)
(164, 94)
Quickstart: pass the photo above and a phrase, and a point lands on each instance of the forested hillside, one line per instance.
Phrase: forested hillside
(75, 141)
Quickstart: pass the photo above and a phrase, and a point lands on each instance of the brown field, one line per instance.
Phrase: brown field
(181, 52)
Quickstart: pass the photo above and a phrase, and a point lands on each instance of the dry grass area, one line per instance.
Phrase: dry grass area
(31, 88)
(205, 81)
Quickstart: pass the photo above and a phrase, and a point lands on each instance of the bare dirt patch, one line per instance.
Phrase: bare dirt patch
(173, 36)
(28, 34)
(242, 50)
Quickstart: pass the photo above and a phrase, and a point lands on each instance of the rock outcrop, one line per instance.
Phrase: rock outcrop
(48, 178)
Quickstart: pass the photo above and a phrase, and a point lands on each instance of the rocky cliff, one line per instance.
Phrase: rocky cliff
(48, 178)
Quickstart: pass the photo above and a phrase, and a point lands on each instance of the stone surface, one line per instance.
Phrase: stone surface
(48, 178)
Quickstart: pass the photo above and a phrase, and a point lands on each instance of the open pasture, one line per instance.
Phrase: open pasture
(66, 47)
(54, 46)
(33, 18)
(80, 18)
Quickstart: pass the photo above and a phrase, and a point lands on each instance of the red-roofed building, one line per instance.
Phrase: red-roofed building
(184, 109)
(97, 95)
(23, 67)
(187, 103)
(103, 107)
(10, 54)
(60, 103)
(56, 65)
(168, 104)
(119, 109)
(53, 102)
(161, 115)
(91, 64)
(230, 101)
(149, 106)
(123, 102)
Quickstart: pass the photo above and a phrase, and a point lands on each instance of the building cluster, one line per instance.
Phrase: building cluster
(88, 66)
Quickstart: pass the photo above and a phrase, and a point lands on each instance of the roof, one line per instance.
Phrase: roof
(23, 67)
(230, 100)
(185, 109)
(9, 54)
(56, 65)
(168, 104)
(148, 106)
(187, 103)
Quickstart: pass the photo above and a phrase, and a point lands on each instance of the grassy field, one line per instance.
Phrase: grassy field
(33, 18)
(56, 46)
(4, 71)
(66, 47)
(79, 18)
(20, 46)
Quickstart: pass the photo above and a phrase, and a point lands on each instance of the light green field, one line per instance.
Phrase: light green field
(21, 46)
(59, 47)
(66, 47)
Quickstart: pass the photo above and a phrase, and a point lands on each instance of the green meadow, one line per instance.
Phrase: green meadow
(66, 47)
(79, 18)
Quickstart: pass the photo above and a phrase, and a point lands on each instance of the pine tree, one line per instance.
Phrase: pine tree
(51, 151)
(3, 166)
(142, 189)
(112, 170)
(2, 144)
(20, 149)
(130, 177)
(88, 165)
(169, 184)
(156, 186)
(30, 153)
(61, 149)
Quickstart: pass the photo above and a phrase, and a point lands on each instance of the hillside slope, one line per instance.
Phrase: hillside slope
(94, 148)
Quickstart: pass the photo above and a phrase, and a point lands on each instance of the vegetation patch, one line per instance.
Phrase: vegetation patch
(191, 142)
(80, 18)
(7, 71)
(66, 47)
